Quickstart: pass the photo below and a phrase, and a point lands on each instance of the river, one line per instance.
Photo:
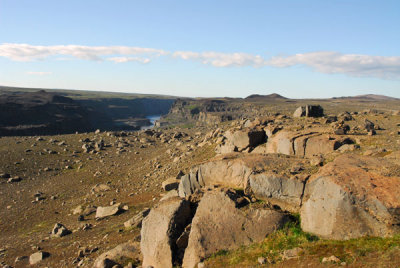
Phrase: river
(153, 119)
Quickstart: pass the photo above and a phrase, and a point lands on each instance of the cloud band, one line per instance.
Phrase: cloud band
(387, 67)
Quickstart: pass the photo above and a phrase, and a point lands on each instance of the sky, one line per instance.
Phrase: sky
(297, 48)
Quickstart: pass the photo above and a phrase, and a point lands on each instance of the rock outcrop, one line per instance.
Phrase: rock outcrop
(219, 225)
(245, 138)
(160, 230)
(302, 143)
(351, 197)
(309, 111)
(233, 172)
(271, 178)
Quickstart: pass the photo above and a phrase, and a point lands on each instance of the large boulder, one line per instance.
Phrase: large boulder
(219, 225)
(268, 177)
(353, 196)
(231, 172)
(240, 140)
(302, 143)
(118, 255)
(309, 111)
(160, 230)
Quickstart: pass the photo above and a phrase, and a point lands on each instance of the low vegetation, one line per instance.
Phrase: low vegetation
(353, 252)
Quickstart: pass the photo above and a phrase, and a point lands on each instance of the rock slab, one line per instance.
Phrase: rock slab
(353, 196)
(219, 225)
(160, 230)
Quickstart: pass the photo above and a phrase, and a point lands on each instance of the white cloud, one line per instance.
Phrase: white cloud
(324, 62)
(25, 52)
(350, 64)
(128, 59)
(219, 59)
(39, 73)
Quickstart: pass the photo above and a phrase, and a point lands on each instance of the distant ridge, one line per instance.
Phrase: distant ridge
(368, 97)
(270, 96)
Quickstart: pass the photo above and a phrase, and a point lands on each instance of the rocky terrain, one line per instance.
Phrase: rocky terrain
(264, 181)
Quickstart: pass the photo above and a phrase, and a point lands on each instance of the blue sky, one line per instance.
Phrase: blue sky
(300, 49)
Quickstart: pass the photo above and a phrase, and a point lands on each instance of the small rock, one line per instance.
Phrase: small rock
(37, 257)
(369, 125)
(14, 179)
(77, 210)
(262, 260)
(136, 221)
(59, 230)
(317, 161)
(291, 253)
(103, 212)
(332, 258)
(100, 188)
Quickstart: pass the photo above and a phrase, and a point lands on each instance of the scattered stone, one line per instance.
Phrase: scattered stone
(103, 212)
(262, 260)
(331, 259)
(348, 148)
(59, 230)
(340, 129)
(37, 257)
(291, 253)
(77, 210)
(317, 161)
(368, 125)
(136, 221)
(14, 179)
(331, 119)
(100, 188)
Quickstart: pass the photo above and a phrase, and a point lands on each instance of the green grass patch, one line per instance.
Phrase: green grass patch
(291, 236)
(39, 227)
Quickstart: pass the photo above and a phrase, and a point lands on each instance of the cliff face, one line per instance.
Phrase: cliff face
(44, 113)
(41, 113)
(209, 111)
